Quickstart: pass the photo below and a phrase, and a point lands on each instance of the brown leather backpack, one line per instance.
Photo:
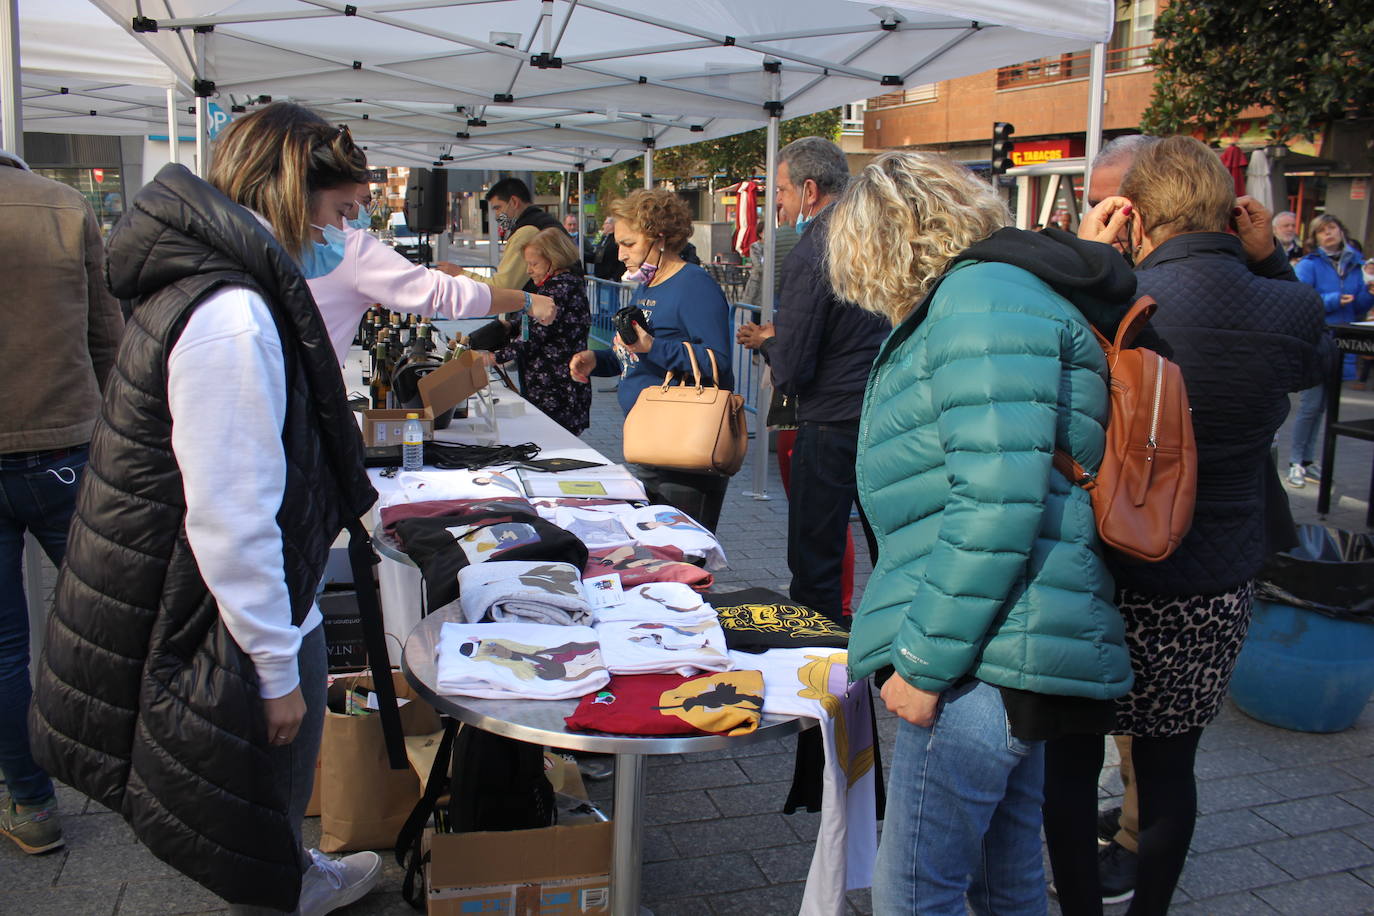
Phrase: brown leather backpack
(1143, 493)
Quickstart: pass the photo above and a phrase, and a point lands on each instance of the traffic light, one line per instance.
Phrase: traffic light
(1002, 147)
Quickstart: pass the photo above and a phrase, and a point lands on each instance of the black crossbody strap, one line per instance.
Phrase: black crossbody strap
(362, 558)
(408, 842)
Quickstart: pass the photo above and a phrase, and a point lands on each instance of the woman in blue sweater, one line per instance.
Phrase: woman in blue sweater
(1332, 268)
(683, 305)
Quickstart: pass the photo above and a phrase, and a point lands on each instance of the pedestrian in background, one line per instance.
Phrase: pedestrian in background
(550, 258)
(819, 351)
(991, 598)
(682, 305)
(63, 326)
(1334, 269)
(182, 682)
(1243, 342)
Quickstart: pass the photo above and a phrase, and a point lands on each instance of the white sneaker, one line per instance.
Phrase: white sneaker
(332, 884)
(1296, 478)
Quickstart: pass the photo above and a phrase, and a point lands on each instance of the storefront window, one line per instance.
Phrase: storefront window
(103, 187)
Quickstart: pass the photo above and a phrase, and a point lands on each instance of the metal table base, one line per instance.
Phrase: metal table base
(541, 722)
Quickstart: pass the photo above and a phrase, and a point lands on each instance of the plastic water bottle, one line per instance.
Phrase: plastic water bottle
(412, 443)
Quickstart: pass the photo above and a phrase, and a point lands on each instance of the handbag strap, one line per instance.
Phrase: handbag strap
(696, 369)
(692, 358)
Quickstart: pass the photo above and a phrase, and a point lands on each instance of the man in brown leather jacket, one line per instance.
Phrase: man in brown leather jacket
(61, 330)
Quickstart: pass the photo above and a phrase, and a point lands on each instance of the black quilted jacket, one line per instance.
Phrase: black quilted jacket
(1244, 342)
(143, 700)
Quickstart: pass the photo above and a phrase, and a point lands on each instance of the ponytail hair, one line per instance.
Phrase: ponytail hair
(275, 159)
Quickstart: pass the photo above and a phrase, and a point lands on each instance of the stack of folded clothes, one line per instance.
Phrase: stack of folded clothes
(668, 704)
(529, 591)
(519, 660)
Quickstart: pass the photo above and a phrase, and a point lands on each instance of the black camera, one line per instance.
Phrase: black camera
(625, 320)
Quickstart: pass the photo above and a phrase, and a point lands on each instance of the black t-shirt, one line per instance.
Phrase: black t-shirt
(443, 545)
(758, 619)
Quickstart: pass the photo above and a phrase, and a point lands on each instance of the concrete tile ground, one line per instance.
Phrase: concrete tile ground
(1286, 819)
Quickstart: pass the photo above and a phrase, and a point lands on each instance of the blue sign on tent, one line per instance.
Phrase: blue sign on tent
(218, 120)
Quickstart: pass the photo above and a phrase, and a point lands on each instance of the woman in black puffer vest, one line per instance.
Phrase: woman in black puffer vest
(183, 679)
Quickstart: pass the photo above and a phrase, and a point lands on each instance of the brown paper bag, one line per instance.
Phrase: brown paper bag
(363, 802)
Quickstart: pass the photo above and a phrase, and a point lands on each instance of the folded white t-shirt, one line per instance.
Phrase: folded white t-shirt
(597, 529)
(525, 660)
(532, 591)
(649, 647)
(664, 526)
(424, 486)
(662, 602)
(795, 681)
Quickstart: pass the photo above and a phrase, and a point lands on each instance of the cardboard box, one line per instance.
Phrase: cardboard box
(387, 427)
(448, 386)
(553, 871)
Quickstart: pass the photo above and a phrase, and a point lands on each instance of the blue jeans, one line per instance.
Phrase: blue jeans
(294, 763)
(963, 815)
(38, 495)
(1307, 424)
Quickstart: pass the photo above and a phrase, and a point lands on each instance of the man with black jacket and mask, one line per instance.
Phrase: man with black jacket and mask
(820, 351)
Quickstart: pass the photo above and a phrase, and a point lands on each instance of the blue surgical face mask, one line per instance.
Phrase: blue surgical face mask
(364, 218)
(318, 258)
(803, 220)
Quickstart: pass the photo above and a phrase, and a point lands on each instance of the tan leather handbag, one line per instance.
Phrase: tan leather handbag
(688, 426)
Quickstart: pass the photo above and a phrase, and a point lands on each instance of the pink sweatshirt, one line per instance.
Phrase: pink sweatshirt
(374, 273)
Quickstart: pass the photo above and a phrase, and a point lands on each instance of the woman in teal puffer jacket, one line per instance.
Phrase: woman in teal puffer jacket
(990, 597)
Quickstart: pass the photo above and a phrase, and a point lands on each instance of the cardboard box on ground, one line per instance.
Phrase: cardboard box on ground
(553, 871)
(448, 386)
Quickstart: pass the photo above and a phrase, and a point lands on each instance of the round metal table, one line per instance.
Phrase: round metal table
(541, 722)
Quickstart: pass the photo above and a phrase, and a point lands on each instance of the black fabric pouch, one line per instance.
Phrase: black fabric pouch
(444, 544)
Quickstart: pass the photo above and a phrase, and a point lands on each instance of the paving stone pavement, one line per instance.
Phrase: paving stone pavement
(1286, 820)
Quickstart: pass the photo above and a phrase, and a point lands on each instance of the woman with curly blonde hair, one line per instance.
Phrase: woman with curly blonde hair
(683, 305)
(990, 597)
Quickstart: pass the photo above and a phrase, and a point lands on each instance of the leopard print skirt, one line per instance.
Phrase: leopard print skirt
(1183, 651)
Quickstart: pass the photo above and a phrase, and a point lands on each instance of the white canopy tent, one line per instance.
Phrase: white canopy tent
(83, 74)
(566, 80)
(535, 83)
(498, 76)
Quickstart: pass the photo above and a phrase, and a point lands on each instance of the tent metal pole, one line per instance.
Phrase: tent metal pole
(764, 393)
(11, 93)
(581, 214)
(202, 139)
(649, 168)
(1097, 76)
(202, 113)
(562, 194)
(173, 144)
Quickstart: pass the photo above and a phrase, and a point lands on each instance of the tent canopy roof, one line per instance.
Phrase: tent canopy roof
(585, 80)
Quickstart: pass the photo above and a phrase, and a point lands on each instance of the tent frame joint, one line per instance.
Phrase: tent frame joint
(143, 24)
(203, 88)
